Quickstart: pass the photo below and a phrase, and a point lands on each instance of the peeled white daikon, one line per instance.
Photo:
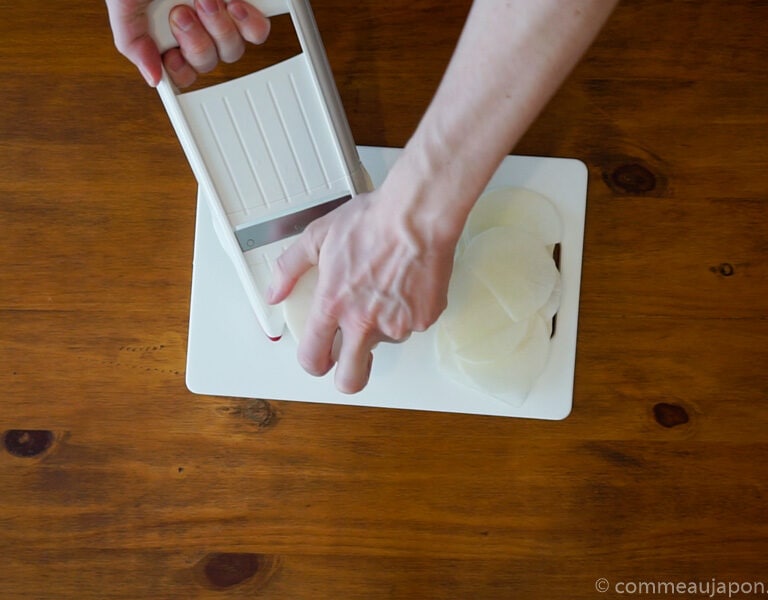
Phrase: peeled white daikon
(551, 306)
(296, 306)
(515, 266)
(473, 312)
(510, 375)
(494, 335)
(521, 208)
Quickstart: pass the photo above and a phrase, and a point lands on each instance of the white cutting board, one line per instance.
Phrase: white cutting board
(229, 355)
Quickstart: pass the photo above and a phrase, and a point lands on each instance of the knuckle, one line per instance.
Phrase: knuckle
(232, 52)
(396, 331)
(256, 30)
(360, 324)
(313, 235)
(201, 54)
(423, 322)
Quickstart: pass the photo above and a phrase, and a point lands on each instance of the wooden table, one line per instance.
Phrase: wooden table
(116, 482)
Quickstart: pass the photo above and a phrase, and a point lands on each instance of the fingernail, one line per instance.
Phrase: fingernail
(270, 295)
(210, 7)
(183, 19)
(238, 11)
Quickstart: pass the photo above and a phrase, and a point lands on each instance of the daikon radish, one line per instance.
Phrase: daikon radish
(510, 376)
(502, 342)
(480, 345)
(505, 289)
(551, 306)
(473, 312)
(517, 207)
(446, 356)
(516, 268)
(296, 306)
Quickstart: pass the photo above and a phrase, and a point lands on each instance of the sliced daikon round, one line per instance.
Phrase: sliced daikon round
(473, 312)
(521, 208)
(502, 341)
(446, 356)
(552, 305)
(515, 266)
(510, 376)
(296, 306)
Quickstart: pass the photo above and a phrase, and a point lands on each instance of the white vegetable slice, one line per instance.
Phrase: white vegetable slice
(495, 334)
(510, 376)
(446, 356)
(505, 340)
(552, 305)
(516, 268)
(296, 306)
(473, 312)
(522, 208)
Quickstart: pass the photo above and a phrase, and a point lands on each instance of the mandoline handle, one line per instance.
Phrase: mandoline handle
(159, 11)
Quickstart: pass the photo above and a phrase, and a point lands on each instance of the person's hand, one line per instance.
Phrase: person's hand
(211, 31)
(380, 277)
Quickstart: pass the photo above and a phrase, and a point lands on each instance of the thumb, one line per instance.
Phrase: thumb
(296, 260)
(130, 31)
(144, 54)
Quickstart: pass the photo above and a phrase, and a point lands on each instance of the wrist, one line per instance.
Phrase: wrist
(429, 192)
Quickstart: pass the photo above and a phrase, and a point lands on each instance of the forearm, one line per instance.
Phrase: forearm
(511, 58)
(384, 261)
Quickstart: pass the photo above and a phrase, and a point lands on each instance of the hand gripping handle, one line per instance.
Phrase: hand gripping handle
(159, 11)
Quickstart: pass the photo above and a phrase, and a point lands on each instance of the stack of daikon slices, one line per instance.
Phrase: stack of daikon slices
(495, 334)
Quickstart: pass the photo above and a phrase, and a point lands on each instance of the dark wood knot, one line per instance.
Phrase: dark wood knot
(725, 269)
(257, 412)
(260, 412)
(670, 415)
(224, 570)
(633, 178)
(26, 443)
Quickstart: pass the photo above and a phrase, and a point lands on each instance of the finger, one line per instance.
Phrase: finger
(144, 54)
(296, 260)
(131, 36)
(395, 324)
(355, 361)
(180, 71)
(398, 340)
(196, 45)
(250, 22)
(289, 267)
(221, 28)
(316, 348)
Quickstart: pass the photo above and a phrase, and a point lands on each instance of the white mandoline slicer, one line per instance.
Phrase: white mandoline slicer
(271, 151)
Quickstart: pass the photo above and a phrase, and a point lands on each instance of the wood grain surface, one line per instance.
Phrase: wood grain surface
(116, 482)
